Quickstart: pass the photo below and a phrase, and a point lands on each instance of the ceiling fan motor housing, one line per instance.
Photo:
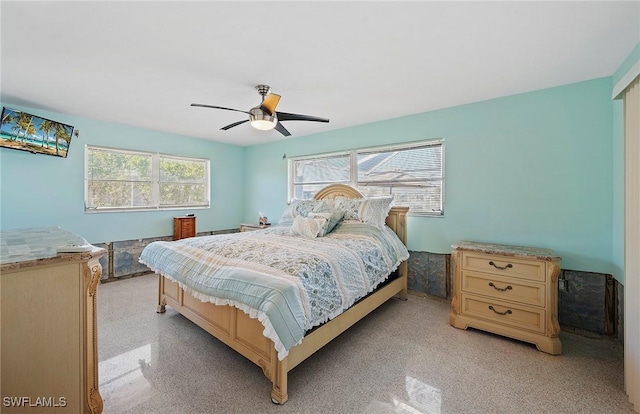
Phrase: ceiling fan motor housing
(261, 120)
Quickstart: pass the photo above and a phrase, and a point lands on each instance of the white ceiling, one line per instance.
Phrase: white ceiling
(144, 63)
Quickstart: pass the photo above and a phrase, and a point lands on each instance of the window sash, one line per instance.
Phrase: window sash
(184, 183)
(421, 186)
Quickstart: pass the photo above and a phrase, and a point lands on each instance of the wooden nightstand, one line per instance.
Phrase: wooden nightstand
(253, 226)
(183, 227)
(507, 290)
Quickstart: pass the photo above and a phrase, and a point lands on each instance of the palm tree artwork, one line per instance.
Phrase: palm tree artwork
(23, 131)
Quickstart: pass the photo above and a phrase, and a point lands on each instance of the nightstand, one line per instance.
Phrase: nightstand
(253, 226)
(507, 290)
(183, 227)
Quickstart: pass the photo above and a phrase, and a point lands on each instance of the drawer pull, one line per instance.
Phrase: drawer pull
(508, 311)
(500, 289)
(509, 266)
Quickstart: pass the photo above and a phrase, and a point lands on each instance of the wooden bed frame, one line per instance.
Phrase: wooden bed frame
(236, 329)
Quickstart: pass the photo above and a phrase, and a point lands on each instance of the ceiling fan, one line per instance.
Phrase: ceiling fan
(265, 116)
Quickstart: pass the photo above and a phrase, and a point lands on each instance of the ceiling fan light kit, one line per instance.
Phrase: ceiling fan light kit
(261, 120)
(265, 117)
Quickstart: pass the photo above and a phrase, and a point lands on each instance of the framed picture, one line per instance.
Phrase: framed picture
(27, 132)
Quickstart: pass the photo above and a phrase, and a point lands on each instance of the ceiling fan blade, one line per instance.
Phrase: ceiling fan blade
(283, 116)
(270, 102)
(234, 124)
(281, 129)
(218, 107)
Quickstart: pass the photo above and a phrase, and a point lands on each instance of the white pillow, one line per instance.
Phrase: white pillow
(307, 227)
(372, 210)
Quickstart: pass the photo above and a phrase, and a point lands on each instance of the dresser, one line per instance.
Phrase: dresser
(507, 290)
(49, 339)
(183, 227)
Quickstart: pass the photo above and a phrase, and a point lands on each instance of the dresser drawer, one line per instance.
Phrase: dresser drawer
(504, 288)
(505, 266)
(518, 316)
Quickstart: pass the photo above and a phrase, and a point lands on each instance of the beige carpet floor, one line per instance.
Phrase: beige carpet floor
(402, 358)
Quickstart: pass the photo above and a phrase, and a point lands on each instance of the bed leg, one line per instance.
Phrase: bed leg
(162, 302)
(403, 294)
(279, 392)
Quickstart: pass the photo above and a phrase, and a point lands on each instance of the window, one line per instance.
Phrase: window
(132, 180)
(412, 173)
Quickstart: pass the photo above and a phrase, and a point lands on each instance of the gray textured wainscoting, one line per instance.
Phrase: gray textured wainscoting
(122, 258)
(589, 302)
(429, 274)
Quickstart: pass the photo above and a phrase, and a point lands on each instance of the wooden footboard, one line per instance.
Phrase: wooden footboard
(236, 329)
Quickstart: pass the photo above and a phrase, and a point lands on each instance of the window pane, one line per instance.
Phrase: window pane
(322, 170)
(104, 165)
(178, 194)
(306, 191)
(118, 194)
(421, 197)
(180, 170)
(401, 165)
(183, 182)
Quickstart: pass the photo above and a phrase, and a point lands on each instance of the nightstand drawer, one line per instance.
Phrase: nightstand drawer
(504, 313)
(189, 227)
(504, 288)
(505, 266)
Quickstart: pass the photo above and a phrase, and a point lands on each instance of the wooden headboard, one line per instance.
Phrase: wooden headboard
(397, 218)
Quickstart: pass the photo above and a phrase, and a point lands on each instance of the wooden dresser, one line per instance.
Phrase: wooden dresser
(49, 338)
(507, 290)
(183, 227)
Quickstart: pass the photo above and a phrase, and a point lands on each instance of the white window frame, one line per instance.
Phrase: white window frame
(353, 181)
(155, 181)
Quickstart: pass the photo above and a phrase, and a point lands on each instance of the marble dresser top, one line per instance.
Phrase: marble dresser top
(38, 244)
(506, 250)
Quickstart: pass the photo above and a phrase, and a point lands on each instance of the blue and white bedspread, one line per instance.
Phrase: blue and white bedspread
(289, 283)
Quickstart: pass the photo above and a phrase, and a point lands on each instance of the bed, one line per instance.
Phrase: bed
(253, 325)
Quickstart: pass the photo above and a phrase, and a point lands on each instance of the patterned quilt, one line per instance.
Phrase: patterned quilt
(289, 283)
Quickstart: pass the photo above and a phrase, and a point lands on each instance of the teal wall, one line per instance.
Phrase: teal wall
(42, 190)
(531, 169)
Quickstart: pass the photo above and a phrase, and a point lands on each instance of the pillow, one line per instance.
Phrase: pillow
(348, 206)
(302, 208)
(322, 206)
(332, 220)
(372, 210)
(307, 227)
